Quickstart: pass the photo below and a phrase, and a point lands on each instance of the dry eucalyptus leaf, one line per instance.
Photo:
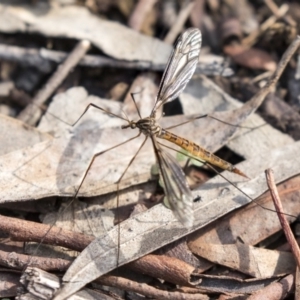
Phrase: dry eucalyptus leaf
(140, 236)
(16, 135)
(77, 22)
(56, 167)
(256, 262)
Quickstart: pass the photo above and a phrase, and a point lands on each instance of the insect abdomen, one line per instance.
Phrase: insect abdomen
(199, 152)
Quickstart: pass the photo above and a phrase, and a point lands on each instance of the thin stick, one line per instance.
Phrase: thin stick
(275, 10)
(32, 112)
(251, 39)
(42, 59)
(281, 215)
(180, 21)
(140, 13)
(21, 230)
(146, 289)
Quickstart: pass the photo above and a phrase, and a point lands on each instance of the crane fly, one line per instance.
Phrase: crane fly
(178, 72)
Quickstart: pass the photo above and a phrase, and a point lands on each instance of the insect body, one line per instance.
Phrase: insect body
(180, 68)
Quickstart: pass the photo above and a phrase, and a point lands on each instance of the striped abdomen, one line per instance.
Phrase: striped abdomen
(199, 152)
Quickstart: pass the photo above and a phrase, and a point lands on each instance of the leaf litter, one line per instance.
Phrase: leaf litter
(47, 170)
(93, 256)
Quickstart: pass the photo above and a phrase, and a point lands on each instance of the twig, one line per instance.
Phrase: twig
(252, 38)
(258, 98)
(178, 25)
(170, 269)
(139, 14)
(146, 290)
(43, 58)
(33, 112)
(157, 266)
(284, 223)
(22, 230)
(275, 10)
(20, 261)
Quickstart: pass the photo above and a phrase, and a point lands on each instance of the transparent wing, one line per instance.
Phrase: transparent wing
(180, 67)
(176, 188)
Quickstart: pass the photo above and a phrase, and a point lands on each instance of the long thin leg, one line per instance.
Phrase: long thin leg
(185, 122)
(208, 116)
(100, 108)
(98, 154)
(85, 174)
(118, 195)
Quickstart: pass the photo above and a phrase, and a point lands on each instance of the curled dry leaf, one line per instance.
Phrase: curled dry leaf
(228, 284)
(251, 58)
(256, 262)
(276, 290)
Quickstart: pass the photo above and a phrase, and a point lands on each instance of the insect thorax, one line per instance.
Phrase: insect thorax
(148, 126)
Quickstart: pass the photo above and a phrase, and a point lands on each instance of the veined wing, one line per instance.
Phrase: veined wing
(180, 67)
(177, 192)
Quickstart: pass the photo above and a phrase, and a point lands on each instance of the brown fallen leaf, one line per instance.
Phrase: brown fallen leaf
(247, 224)
(251, 58)
(276, 290)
